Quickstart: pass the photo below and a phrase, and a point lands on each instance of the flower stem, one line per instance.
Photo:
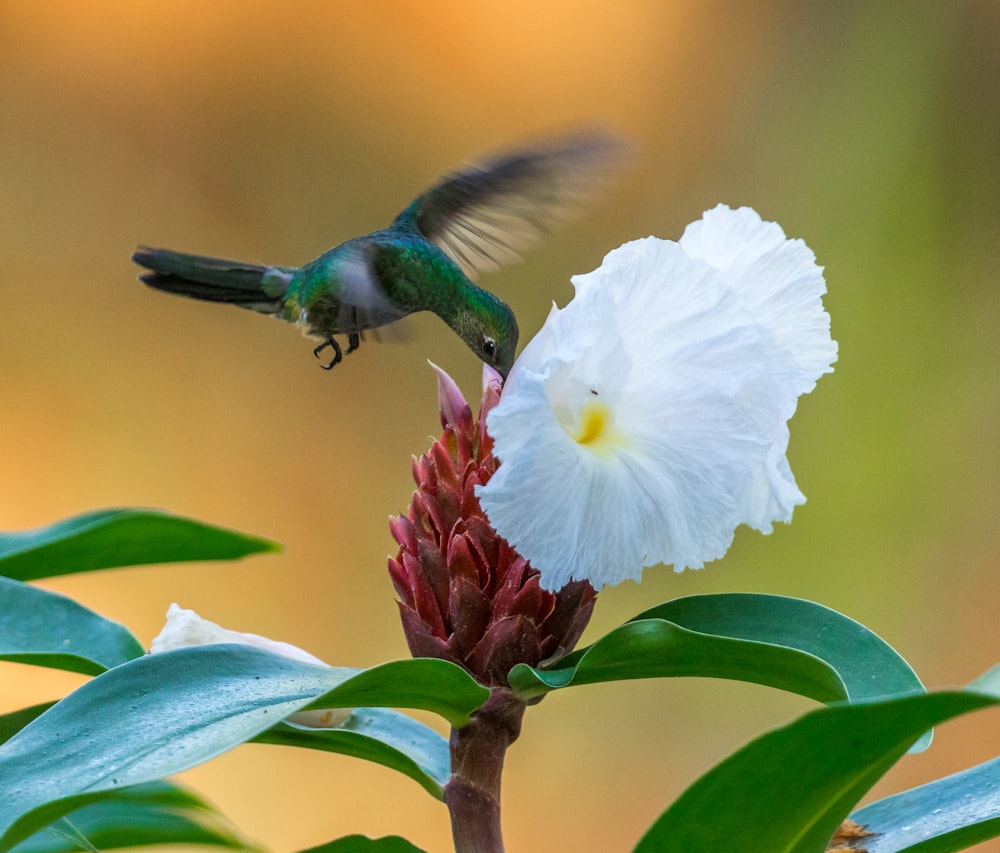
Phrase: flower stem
(477, 753)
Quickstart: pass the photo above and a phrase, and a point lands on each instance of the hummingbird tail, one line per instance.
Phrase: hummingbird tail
(260, 288)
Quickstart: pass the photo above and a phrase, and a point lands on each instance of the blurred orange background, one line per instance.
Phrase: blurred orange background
(270, 132)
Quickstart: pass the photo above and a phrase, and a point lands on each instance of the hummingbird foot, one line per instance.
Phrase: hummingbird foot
(338, 353)
(353, 342)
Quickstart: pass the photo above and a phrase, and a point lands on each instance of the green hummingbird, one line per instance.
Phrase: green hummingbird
(470, 221)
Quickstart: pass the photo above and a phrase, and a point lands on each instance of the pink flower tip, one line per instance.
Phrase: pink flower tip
(452, 403)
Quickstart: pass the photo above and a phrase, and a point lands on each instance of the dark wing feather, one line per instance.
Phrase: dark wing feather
(482, 217)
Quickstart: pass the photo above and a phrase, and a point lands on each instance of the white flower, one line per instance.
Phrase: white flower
(647, 419)
(185, 628)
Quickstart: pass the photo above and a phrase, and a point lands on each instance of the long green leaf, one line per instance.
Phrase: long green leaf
(163, 713)
(119, 537)
(656, 648)
(380, 735)
(425, 683)
(868, 665)
(47, 629)
(364, 844)
(947, 814)
(788, 643)
(789, 790)
(154, 813)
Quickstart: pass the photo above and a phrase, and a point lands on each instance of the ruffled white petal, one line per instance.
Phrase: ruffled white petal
(779, 282)
(647, 419)
(185, 628)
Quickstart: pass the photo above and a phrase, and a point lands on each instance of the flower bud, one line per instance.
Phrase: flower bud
(465, 594)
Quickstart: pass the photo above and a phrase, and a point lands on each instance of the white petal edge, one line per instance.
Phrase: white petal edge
(702, 348)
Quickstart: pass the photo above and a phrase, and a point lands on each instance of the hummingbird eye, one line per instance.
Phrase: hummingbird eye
(489, 347)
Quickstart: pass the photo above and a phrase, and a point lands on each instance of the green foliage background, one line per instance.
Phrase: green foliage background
(270, 132)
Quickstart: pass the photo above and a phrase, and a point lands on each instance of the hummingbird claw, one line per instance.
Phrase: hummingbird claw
(338, 354)
(353, 342)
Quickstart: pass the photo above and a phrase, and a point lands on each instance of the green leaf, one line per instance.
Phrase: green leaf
(119, 537)
(789, 790)
(947, 814)
(155, 813)
(868, 666)
(380, 735)
(47, 629)
(656, 648)
(12, 723)
(163, 713)
(364, 844)
(787, 643)
(426, 683)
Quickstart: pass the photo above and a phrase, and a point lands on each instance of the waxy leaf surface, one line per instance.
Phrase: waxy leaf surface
(119, 537)
(789, 790)
(47, 629)
(787, 643)
(868, 666)
(948, 814)
(163, 713)
(154, 813)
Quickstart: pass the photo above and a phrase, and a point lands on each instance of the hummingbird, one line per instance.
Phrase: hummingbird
(470, 221)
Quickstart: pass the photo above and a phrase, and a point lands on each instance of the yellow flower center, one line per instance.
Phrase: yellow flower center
(593, 423)
(587, 419)
(593, 426)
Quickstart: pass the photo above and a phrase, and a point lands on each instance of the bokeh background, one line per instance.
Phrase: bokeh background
(271, 132)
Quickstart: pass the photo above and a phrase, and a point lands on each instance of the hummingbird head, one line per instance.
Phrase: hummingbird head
(489, 329)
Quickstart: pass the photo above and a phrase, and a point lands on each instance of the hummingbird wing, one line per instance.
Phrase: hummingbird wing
(364, 303)
(484, 216)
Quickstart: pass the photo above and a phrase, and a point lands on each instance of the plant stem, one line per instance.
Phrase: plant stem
(477, 753)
